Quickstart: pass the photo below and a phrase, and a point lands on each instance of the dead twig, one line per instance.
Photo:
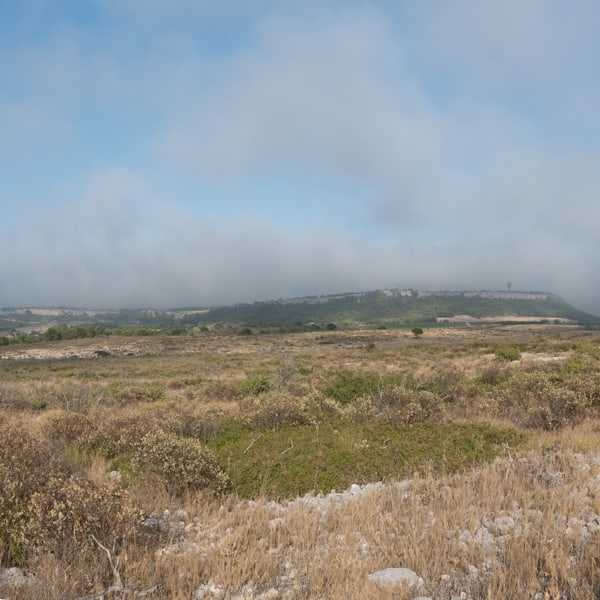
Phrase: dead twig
(113, 564)
(118, 587)
(290, 448)
(252, 443)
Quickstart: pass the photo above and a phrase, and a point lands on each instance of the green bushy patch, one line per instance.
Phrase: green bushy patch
(293, 460)
(508, 353)
(255, 384)
(346, 386)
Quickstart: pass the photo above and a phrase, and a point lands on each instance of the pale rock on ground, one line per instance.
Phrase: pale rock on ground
(396, 576)
(14, 578)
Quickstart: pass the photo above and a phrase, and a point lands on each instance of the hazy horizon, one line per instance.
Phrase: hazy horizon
(175, 153)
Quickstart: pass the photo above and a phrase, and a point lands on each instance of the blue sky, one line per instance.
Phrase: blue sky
(191, 152)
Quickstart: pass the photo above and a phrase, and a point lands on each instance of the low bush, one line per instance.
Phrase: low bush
(45, 507)
(183, 464)
(399, 406)
(346, 386)
(492, 375)
(187, 419)
(273, 410)
(574, 366)
(539, 400)
(137, 394)
(74, 429)
(148, 444)
(255, 384)
(223, 391)
(508, 353)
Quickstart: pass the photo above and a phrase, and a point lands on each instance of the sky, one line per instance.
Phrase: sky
(168, 153)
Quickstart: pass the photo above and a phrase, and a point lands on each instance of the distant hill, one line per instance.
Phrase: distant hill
(397, 307)
(389, 308)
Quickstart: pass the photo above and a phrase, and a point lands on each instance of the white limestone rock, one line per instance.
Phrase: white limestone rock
(396, 576)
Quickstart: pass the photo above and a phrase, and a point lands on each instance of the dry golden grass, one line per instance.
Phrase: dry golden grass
(516, 528)
(524, 526)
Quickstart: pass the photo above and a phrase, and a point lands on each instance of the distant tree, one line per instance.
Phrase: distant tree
(53, 334)
(331, 326)
(417, 331)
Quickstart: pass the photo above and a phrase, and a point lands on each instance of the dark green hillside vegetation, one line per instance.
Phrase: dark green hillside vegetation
(380, 308)
(387, 308)
(79, 332)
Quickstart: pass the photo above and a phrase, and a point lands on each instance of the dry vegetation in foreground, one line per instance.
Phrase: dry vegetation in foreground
(203, 466)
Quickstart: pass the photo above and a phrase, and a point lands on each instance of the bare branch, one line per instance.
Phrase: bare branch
(113, 567)
(252, 443)
(290, 448)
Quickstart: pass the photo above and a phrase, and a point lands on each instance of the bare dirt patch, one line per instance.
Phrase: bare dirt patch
(502, 319)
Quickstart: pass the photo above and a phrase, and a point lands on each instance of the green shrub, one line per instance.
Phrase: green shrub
(574, 366)
(292, 460)
(255, 385)
(346, 386)
(38, 404)
(589, 348)
(508, 353)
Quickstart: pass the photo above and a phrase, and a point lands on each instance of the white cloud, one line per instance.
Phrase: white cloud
(487, 180)
(534, 44)
(330, 97)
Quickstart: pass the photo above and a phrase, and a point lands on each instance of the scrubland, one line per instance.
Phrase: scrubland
(205, 465)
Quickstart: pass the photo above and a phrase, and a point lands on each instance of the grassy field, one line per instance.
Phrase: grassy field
(212, 465)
